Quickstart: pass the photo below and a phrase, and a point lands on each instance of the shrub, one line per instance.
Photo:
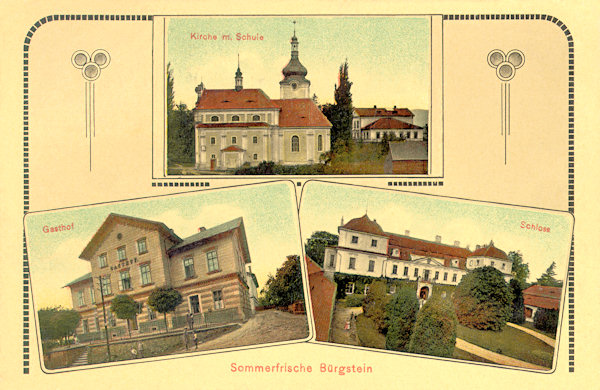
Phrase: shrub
(367, 334)
(401, 316)
(517, 307)
(354, 300)
(483, 299)
(374, 304)
(434, 332)
(546, 320)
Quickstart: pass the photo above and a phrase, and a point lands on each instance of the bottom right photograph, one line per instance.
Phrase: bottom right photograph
(435, 276)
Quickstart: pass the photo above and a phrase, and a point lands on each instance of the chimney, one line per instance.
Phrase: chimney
(201, 229)
(456, 243)
(407, 233)
(249, 269)
(342, 222)
(467, 247)
(477, 247)
(438, 238)
(374, 106)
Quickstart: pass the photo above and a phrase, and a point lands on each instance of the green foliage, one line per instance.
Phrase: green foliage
(367, 333)
(57, 323)
(435, 329)
(546, 320)
(270, 168)
(547, 278)
(386, 139)
(518, 307)
(164, 300)
(340, 113)
(483, 299)
(315, 245)
(354, 300)
(285, 287)
(401, 316)
(180, 126)
(124, 308)
(520, 270)
(375, 303)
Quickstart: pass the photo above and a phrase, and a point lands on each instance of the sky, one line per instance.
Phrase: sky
(389, 57)
(470, 223)
(271, 230)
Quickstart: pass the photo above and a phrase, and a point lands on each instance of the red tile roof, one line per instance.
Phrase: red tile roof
(300, 113)
(428, 248)
(545, 297)
(389, 123)
(322, 291)
(232, 124)
(490, 251)
(383, 112)
(364, 224)
(221, 99)
(232, 148)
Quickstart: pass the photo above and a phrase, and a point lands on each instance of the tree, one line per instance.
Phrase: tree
(518, 306)
(125, 308)
(180, 125)
(401, 316)
(483, 299)
(315, 245)
(375, 303)
(57, 323)
(164, 300)
(546, 320)
(520, 270)
(547, 278)
(285, 287)
(435, 329)
(340, 113)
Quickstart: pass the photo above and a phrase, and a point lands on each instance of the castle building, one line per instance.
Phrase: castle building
(133, 256)
(370, 124)
(364, 249)
(241, 126)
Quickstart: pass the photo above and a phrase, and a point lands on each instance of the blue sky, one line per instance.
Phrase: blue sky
(271, 229)
(388, 57)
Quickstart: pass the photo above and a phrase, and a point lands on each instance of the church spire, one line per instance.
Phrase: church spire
(238, 76)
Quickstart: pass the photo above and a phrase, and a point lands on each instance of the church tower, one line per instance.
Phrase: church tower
(238, 77)
(294, 84)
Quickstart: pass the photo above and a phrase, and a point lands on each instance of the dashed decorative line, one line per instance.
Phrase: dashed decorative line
(415, 183)
(181, 184)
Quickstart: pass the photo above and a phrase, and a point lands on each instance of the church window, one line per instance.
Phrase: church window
(255, 156)
(294, 85)
(256, 118)
(214, 118)
(235, 118)
(295, 144)
(234, 140)
(320, 143)
(213, 140)
(352, 263)
(371, 265)
(255, 140)
(354, 239)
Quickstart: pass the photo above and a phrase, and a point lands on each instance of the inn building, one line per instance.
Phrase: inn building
(241, 126)
(365, 249)
(370, 124)
(133, 256)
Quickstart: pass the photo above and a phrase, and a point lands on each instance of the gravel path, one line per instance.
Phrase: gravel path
(339, 333)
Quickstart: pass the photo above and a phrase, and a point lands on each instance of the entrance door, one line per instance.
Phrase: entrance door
(213, 164)
(424, 293)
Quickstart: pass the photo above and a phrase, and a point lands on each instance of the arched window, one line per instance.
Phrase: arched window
(214, 118)
(256, 118)
(235, 118)
(320, 143)
(295, 144)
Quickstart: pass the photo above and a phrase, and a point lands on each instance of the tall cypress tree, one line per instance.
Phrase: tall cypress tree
(340, 113)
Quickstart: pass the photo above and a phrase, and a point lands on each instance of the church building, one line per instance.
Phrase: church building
(241, 126)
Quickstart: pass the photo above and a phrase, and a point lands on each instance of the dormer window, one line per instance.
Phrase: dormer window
(235, 118)
(256, 118)
(214, 118)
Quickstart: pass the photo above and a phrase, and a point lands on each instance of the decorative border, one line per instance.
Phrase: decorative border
(571, 151)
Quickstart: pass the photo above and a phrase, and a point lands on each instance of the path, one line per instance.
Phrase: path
(82, 360)
(341, 315)
(495, 357)
(267, 326)
(548, 340)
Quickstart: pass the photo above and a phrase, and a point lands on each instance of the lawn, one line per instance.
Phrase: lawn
(464, 355)
(529, 325)
(510, 342)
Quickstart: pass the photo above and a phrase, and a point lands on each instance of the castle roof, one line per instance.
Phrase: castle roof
(490, 251)
(300, 113)
(365, 225)
(389, 123)
(405, 112)
(433, 248)
(224, 99)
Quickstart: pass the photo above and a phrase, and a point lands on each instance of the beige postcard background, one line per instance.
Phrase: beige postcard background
(473, 168)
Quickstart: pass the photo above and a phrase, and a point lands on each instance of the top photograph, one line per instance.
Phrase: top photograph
(298, 95)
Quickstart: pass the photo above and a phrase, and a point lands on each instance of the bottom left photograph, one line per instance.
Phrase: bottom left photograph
(169, 275)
